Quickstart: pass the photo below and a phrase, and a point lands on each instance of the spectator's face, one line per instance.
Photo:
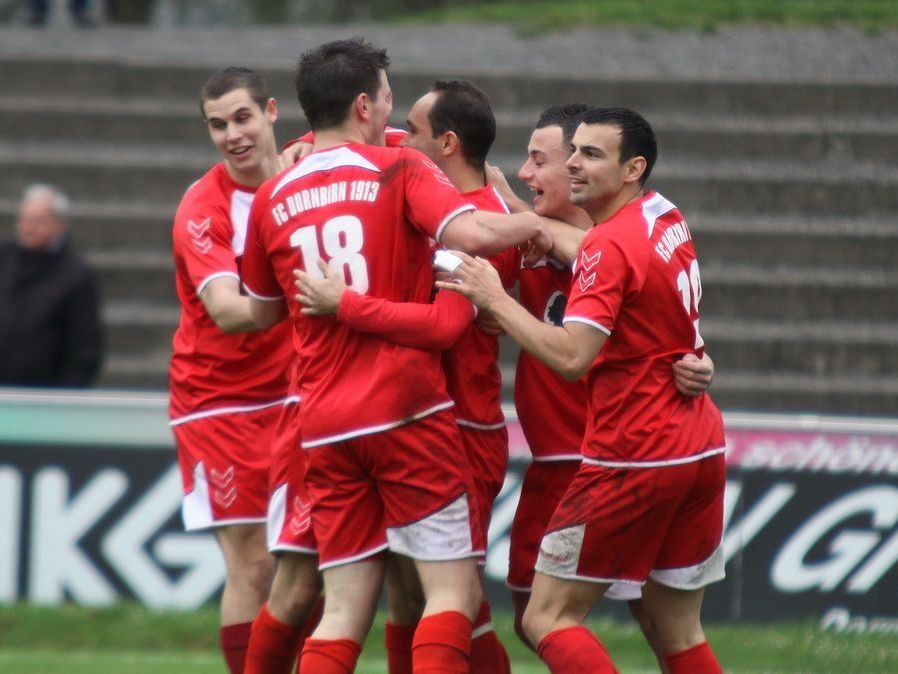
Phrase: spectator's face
(242, 131)
(37, 227)
(596, 174)
(420, 133)
(545, 173)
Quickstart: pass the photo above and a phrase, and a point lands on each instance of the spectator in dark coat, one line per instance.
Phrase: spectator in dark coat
(50, 332)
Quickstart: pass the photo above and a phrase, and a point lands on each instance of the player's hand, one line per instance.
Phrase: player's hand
(693, 376)
(293, 153)
(542, 242)
(476, 279)
(319, 296)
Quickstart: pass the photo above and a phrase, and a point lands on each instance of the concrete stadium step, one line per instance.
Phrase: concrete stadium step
(788, 391)
(139, 327)
(723, 238)
(136, 371)
(724, 137)
(776, 294)
(161, 174)
(822, 348)
(738, 97)
(129, 274)
(111, 120)
(99, 226)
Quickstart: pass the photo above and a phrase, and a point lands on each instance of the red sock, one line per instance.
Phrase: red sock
(309, 625)
(442, 644)
(329, 656)
(272, 645)
(398, 639)
(234, 640)
(488, 655)
(575, 650)
(696, 660)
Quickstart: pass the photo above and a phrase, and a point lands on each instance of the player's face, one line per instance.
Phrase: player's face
(420, 133)
(37, 227)
(596, 174)
(545, 173)
(382, 107)
(241, 130)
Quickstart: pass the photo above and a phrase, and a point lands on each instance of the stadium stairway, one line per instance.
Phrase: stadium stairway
(790, 189)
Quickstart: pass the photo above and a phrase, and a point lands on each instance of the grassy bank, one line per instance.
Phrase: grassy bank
(872, 15)
(135, 640)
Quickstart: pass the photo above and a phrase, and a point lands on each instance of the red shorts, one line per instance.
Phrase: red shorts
(487, 452)
(289, 507)
(620, 524)
(404, 489)
(225, 461)
(545, 482)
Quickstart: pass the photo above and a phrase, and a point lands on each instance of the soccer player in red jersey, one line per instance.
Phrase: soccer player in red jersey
(551, 410)
(383, 451)
(646, 505)
(226, 389)
(454, 126)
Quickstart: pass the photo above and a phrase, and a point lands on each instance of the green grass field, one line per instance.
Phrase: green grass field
(707, 14)
(129, 639)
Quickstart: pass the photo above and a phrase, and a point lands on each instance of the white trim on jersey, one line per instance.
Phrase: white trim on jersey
(653, 209)
(478, 426)
(654, 464)
(693, 577)
(261, 298)
(578, 457)
(240, 205)
(486, 628)
(586, 321)
(377, 429)
(324, 160)
(501, 200)
(449, 218)
(355, 558)
(234, 409)
(211, 277)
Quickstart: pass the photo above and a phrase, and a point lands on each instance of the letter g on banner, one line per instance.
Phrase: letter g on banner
(792, 573)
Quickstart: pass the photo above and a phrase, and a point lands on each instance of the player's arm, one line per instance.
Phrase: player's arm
(226, 306)
(487, 233)
(566, 241)
(266, 313)
(569, 350)
(434, 326)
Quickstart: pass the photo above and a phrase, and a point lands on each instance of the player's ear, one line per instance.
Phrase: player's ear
(633, 169)
(362, 105)
(271, 110)
(450, 143)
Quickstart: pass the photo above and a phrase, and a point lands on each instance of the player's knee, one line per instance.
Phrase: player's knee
(535, 625)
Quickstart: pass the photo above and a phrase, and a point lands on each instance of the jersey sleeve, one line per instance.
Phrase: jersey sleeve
(256, 271)
(393, 137)
(602, 279)
(431, 200)
(201, 237)
(433, 327)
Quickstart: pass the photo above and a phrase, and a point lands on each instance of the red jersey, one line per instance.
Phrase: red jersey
(369, 212)
(211, 371)
(472, 370)
(551, 409)
(637, 280)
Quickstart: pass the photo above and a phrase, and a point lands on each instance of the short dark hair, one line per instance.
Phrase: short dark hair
(330, 77)
(228, 79)
(464, 109)
(566, 115)
(637, 136)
